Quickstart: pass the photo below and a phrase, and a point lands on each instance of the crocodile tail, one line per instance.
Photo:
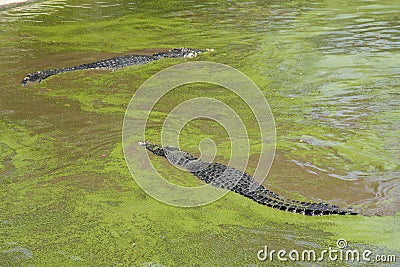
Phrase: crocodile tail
(294, 202)
(314, 209)
(40, 75)
(305, 208)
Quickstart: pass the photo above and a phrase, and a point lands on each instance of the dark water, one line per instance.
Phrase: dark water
(329, 70)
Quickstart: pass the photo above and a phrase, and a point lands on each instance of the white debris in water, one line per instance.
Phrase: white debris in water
(23, 253)
(7, 2)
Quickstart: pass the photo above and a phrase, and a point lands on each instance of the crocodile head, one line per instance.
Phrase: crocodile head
(182, 52)
(32, 77)
(176, 157)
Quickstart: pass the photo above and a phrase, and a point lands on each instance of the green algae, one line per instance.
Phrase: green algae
(67, 195)
(24, 151)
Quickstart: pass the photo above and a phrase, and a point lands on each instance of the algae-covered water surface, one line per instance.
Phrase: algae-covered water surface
(329, 71)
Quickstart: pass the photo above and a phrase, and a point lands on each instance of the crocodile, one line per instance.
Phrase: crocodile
(226, 177)
(115, 62)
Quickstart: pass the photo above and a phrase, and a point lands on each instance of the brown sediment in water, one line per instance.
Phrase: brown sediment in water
(293, 181)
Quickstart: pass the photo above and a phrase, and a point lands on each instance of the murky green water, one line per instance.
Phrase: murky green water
(329, 70)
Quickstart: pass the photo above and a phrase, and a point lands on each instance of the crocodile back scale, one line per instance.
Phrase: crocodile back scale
(226, 177)
(115, 62)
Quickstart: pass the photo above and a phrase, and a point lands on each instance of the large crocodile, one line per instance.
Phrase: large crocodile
(223, 176)
(115, 62)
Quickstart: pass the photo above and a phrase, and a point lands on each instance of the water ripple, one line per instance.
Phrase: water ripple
(29, 12)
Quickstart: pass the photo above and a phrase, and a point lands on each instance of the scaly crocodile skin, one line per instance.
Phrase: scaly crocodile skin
(115, 62)
(222, 176)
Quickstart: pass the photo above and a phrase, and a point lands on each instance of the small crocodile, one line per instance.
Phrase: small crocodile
(115, 62)
(226, 177)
